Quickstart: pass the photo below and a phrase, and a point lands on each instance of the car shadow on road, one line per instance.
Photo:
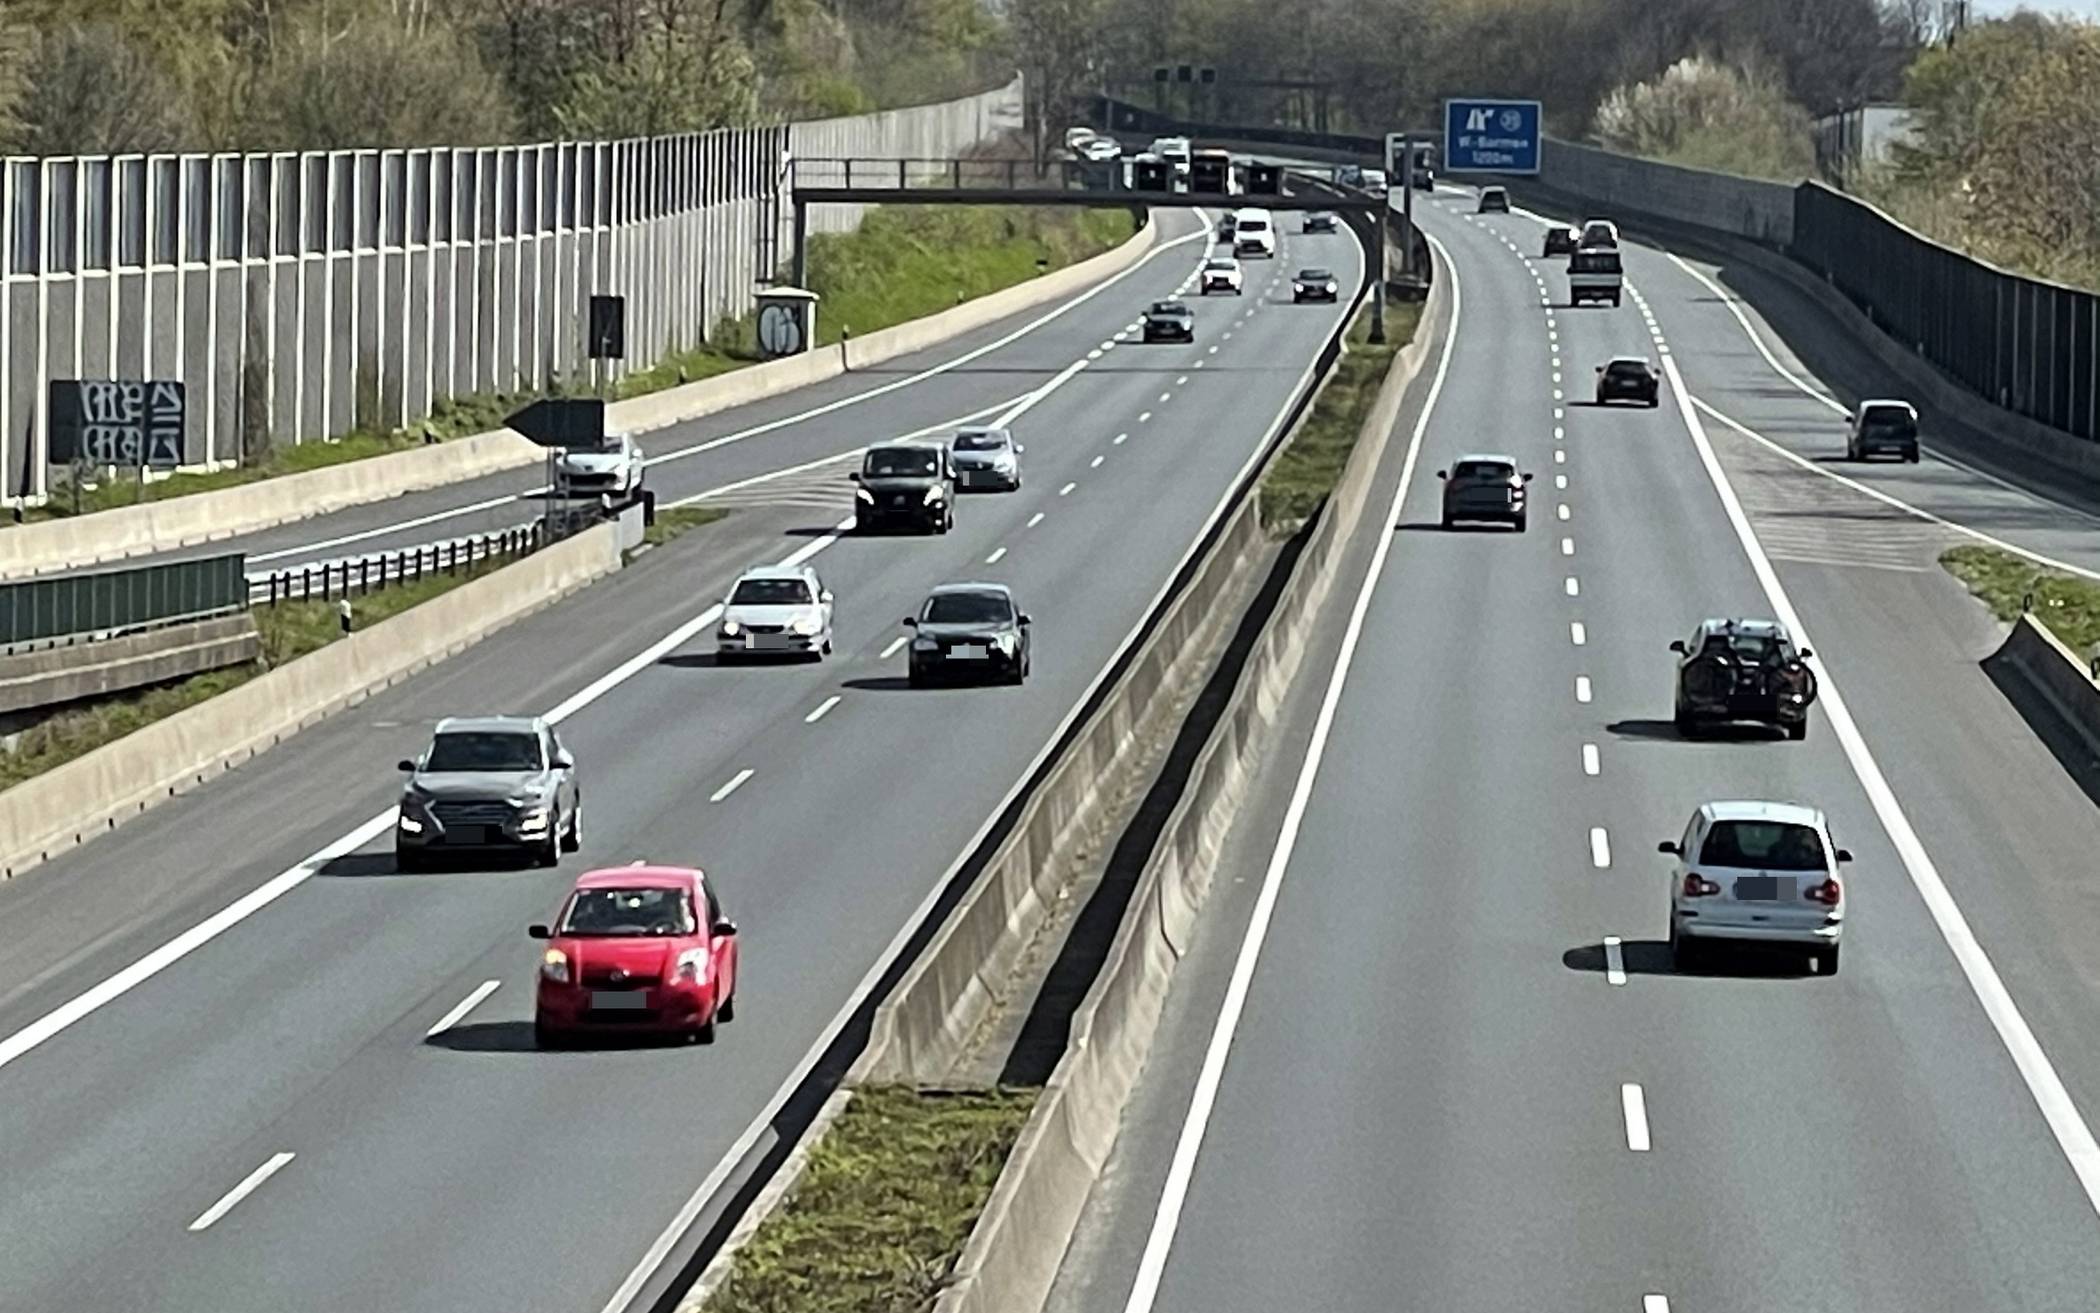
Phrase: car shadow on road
(361, 865)
(880, 684)
(1645, 729)
(1666, 731)
(1651, 957)
(486, 1037)
(1464, 526)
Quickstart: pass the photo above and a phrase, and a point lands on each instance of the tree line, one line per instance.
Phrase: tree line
(116, 76)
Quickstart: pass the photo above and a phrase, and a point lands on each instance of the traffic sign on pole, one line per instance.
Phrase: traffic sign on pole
(562, 422)
(1491, 136)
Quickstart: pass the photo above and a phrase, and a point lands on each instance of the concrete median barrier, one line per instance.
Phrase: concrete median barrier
(93, 794)
(53, 545)
(1019, 1241)
(2063, 677)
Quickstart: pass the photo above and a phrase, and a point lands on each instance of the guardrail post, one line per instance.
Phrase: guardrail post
(1011, 167)
(901, 183)
(955, 168)
(801, 263)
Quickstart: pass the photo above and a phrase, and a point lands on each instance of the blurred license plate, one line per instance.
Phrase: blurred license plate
(766, 642)
(967, 652)
(468, 833)
(1763, 888)
(620, 1000)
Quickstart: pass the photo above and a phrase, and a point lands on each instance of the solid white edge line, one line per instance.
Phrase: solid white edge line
(465, 1005)
(249, 1185)
(1614, 961)
(1174, 1193)
(823, 710)
(2073, 1136)
(736, 782)
(1600, 848)
(1634, 1104)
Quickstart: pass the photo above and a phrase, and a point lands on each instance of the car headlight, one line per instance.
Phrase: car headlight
(409, 824)
(554, 966)
(1330, 287)
(691, 965)
(730, 629)
(935, 493)
(1007, 642)
(864, 495)
(923, 645)
(808, 626)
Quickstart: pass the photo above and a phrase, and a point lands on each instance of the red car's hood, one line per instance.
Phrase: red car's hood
(595, 961)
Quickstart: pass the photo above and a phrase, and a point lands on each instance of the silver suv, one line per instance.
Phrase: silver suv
(490, 782)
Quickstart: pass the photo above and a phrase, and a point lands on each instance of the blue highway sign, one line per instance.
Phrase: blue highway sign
(1491, 136)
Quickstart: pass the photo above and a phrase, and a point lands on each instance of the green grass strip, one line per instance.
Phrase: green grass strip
(2067, 605)
(880, 1216)
(1309, 466)
(289, 630)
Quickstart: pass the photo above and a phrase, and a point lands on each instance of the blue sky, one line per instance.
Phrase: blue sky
(2087, 9)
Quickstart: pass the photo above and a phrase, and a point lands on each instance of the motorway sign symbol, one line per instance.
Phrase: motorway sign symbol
(1491, 136)
(117, 422)
(562, 422)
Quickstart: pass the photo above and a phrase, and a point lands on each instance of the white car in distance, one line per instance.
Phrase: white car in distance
(1253, 233)
(1222, 273)
(1756, 872)
(775, 610)
(614, 467)
(986, 457)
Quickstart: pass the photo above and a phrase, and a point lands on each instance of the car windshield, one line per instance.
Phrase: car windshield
(968, 609)
(1770, 845)
(624, 913)
(1628, 369)
(770, 592)
(1888, 424)
(1226, 266)
(1746, 647)
(1482, 469)
(503, 750)
(902, 463)
(1595, 262)
(983, 440)
(1168, 308)
(1313, 275)
(1254, 225)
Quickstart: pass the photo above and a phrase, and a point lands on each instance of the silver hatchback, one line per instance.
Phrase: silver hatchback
(1757, 872)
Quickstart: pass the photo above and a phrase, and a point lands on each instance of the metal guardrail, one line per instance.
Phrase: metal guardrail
(355, 576)
(108, 601)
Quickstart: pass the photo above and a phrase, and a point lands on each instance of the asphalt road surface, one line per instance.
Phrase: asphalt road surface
(1428, 1052)
(219, 1086)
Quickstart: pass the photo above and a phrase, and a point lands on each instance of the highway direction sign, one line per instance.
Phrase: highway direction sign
(116, 422)
(1491, 136)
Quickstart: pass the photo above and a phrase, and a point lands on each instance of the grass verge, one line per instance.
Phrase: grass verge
(674, 521)
(289, 630)
(1307, 468)
(2067, 605)
(901, 264)
(878, 1219)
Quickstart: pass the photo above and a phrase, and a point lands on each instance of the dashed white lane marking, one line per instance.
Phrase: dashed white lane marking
(1121, 438)
(1560, 482)
(1095, 463)
(1066, 491)
(1559, 414)
(1197, 365)
(736, 782)
(1582, 688)
(1636, 1106)
(1654, 1304)
(1614, 961)
(1144, 417)
(1556, 378)
(1567, 547)
(1561, 511)
(1600, 848)
(464, 1006)
(1034, 520)
(1095, 354)
(1560, 457)
(1591, 763)
(1179, 381)
(1577, 633)
(248, 1186)
(1560, 432)
(1228, 335)
(1214, 350)
(998, 554)
(1108, 346)
(823, 710)
(896, 645)
(1573, 588)
(1558, 395)
(1166, 396)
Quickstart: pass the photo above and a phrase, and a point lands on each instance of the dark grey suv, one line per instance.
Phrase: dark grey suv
(1486, 487)
(489, 782)
(1732, 671)
(969, 631)
(906, 483)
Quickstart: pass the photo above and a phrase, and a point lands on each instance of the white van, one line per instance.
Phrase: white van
(1176, 151)
(1598, 234)
(1594, 275)
(1254, 233)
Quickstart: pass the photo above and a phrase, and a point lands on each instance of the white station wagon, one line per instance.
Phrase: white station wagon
(1761, 872)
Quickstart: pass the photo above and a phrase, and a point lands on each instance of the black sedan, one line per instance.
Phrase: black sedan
(1315, 285)
(1560, 241)
(969, 631)
(1494, 200)
(1628, 378)
(1318, 221)
(1170, 321)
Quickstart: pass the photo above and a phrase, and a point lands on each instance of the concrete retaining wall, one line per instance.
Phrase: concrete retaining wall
(54, 545)
(90, 795)
(51, 676)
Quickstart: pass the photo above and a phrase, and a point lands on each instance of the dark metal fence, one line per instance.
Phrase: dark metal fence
(102, 601)
(354, 576)
(2030, 346)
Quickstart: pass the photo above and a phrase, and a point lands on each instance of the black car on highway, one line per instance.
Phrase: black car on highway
(1628, 378)
(911, 484)
(1883, 426)
(1560, 240)
(1485, 488)
(1170, 321)
(968, 631)
(1493, 200)
(1736, 671)
(1315, 285)
(1318, 221)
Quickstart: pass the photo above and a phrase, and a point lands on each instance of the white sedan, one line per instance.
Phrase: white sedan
(1757, 872)
(615, 468)
(775, 610)
(1221, 273)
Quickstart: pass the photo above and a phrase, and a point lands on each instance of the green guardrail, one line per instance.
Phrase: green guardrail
(34, 610)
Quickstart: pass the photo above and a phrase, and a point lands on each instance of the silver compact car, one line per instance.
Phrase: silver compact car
(489, 782)
(986, 458)
(775, 610)
(1757, 872)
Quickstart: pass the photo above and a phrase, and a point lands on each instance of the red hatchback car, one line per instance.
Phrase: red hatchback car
(637, 950)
